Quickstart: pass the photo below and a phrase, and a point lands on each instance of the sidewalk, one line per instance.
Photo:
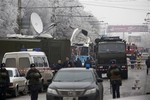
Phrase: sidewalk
(147, 84)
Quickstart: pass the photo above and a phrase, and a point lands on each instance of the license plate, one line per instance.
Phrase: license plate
(104, 75)
(70, 98)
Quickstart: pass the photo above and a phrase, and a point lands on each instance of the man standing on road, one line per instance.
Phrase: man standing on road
(4, 81)
(147, 62)
(33, 75)
(78, 63)
(114, 74)
(67, 63)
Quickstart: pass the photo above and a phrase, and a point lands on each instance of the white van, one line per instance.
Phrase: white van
(23, 59)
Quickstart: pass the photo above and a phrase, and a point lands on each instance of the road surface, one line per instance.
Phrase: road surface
(125, 90)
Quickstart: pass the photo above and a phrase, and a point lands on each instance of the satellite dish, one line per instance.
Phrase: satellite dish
(36, 22)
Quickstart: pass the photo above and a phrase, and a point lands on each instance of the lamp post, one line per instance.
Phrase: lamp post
(147, 20)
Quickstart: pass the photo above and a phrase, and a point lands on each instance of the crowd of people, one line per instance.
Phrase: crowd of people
(69, 63)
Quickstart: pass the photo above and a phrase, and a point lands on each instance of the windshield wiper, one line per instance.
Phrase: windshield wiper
(80, 80)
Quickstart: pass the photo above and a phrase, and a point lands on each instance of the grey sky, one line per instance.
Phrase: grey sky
(118, 12)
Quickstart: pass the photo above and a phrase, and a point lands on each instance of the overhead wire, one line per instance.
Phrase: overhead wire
(111, 6)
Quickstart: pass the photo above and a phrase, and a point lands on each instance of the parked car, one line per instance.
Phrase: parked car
(18, 82)
(75, 84)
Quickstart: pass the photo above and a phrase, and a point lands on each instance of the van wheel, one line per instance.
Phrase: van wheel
(16, 92)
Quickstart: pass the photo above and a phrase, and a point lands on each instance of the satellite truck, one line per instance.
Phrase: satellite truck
(17, 52)
(55, 49)
(107, 49)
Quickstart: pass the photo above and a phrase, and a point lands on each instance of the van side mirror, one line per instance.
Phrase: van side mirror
(99, 80)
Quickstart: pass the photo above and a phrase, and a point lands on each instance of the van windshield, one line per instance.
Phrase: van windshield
(40, 61)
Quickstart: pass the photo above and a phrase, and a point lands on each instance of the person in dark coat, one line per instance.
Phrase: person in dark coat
(33, 75)
(67, 63)
(57, 66)
(4, 81)
(114, 74)
(147, 62)
(78, 63)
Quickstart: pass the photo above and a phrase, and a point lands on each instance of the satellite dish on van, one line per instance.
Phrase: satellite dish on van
(36, 22)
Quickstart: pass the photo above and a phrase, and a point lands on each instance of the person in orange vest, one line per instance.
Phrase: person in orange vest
(138, 60)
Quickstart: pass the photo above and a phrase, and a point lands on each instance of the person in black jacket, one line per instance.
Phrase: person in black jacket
(78, 63)
(4, 81)
(57, 66)
(147, 62)
(114, 74)
(33, 75)
(67, 63)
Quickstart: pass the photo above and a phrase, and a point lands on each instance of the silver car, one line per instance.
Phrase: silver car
(18, 82)
(75, 84)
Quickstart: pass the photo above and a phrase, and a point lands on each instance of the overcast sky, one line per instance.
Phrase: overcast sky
(118, 12)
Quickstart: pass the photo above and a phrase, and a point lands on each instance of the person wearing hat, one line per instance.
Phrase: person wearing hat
(147, 62)
(114, 74)
(4, 81)
(33, 75)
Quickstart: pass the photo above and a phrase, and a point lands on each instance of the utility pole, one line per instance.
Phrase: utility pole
(147, 19)
(19, 17)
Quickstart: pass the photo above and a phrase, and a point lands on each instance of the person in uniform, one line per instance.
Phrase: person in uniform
(114, 74)
(78, 63)
(138, 59)
(4, 81)
(33, 75)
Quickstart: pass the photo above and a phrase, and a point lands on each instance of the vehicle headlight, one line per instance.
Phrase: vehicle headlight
(123, 66)
(90, 91)
(52, 91)
(100, 66)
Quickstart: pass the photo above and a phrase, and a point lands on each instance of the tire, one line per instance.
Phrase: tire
(15, 92)
(25, 91)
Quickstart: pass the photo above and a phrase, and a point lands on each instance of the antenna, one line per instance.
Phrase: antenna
(36, 22)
